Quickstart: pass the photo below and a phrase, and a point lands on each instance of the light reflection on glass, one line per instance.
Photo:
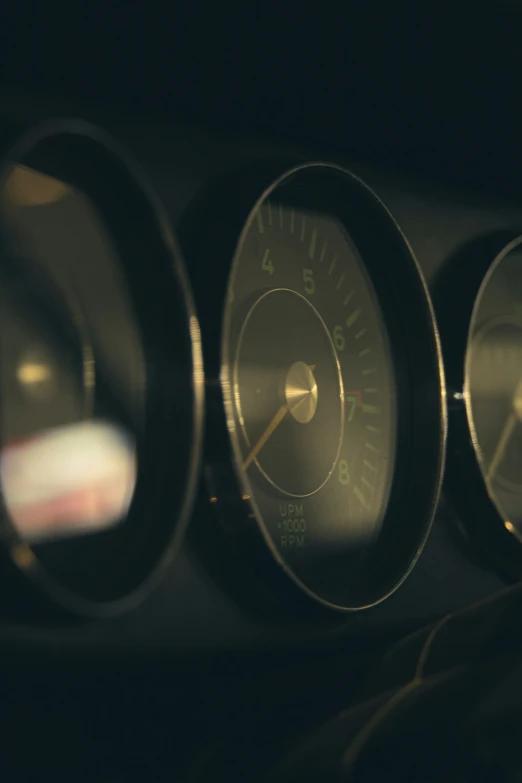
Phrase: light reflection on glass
(37, 375)
(26, 187)
(71, 365)
(69, 480)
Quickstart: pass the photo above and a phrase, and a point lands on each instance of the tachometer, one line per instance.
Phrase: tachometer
(309, 384)
(327, 339)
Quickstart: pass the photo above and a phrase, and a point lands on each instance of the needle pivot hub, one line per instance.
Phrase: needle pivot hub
(301, 392)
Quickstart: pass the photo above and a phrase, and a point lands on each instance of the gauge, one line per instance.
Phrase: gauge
(493, 393)
(485, 361)
(101, 379)
(320, 367)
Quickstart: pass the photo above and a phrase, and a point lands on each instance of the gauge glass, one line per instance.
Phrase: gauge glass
(73, 367)
(310, 391)
(86, 428)
(493, 385)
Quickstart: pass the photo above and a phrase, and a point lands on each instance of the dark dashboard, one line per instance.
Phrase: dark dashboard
(271, 279)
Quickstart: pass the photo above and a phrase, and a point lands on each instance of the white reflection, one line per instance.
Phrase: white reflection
(70, 480)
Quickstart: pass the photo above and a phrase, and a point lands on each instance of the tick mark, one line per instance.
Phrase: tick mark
(370, 466)
(348, 298)
(353, 318)
(369, 371)
(360, 334)
(370, 428)
(360, 497)
(339, 284)
(303, 228)
(374, 409)
(313, 240)
(260, 226)
(366, 351)
(269, 213)
(332, 265)
(373, 448)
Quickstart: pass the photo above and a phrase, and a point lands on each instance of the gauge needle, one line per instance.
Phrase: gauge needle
(274, 424)
(501, 445)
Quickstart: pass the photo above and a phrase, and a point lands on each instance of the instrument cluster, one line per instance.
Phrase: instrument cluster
(262, 378)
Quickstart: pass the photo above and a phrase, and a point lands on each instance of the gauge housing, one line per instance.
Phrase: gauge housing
(107, 576)
(226, 533)
(480, 526)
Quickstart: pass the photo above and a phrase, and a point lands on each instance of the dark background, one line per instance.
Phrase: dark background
(429, 87)
(427, 93)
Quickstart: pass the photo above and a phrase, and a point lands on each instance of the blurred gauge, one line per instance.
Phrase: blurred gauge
(480, 308)
(100, 372)
(322, 374)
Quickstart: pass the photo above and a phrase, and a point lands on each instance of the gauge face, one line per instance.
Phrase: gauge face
(327, 428)
(86, 435)
(493, 384)
(309, 379)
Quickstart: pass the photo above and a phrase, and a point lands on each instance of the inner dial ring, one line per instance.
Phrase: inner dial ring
(288, 393)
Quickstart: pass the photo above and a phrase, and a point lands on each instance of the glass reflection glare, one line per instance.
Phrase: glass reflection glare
(72, 368)
(69, 480)
(26, 187)
(37, 375)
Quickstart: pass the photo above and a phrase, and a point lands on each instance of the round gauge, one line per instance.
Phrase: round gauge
(100, 373)
(309, 386)
(319, 378)
(484, 366)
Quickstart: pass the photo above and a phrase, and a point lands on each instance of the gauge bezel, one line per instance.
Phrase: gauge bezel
(457, 294)
(228, 211)
(139, 227)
